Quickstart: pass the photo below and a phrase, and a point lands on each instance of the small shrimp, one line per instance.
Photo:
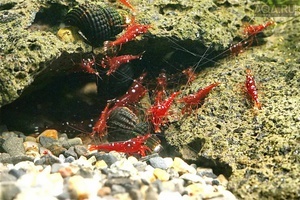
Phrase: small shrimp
(251, 30)
(161, 87)
(87, 66)
(251, 89)
(100, 126)
(239, 47)
(158, 112)
(192, 100)
(162, 81)
(128, 4)
(115, 62)
(190, 73)
(132, 146)
(132, 31)
(134, 93)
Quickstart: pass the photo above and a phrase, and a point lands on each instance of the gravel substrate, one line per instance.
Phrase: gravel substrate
(29, 170)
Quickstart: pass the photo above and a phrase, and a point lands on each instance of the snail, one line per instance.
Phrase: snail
(94, 24)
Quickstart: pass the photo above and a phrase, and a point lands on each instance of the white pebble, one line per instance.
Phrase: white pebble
(169, 195)
(193, 178)
(168, 161)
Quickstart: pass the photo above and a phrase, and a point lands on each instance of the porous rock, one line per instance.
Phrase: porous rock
(36, 50)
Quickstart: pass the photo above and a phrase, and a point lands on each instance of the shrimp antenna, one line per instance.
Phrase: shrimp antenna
(207, 60)
(81, 130)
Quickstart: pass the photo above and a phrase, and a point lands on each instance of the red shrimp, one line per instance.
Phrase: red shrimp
(132, 146)
(134, 93)
(158, 112)
(189, 72)
(251, 89)
(192, 100)
(87, 66)
(100, 126)
(238, 48)
(251, 30)
(161, 88)
(115, 62)
(132, 31)
(128, 4)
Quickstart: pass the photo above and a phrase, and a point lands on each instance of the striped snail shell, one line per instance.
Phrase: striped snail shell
(121, 123)
(95, 24)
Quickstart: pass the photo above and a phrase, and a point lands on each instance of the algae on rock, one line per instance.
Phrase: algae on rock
(262, 147)
(30, 45)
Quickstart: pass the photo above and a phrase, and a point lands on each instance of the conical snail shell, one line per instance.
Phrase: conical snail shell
(95, 24)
